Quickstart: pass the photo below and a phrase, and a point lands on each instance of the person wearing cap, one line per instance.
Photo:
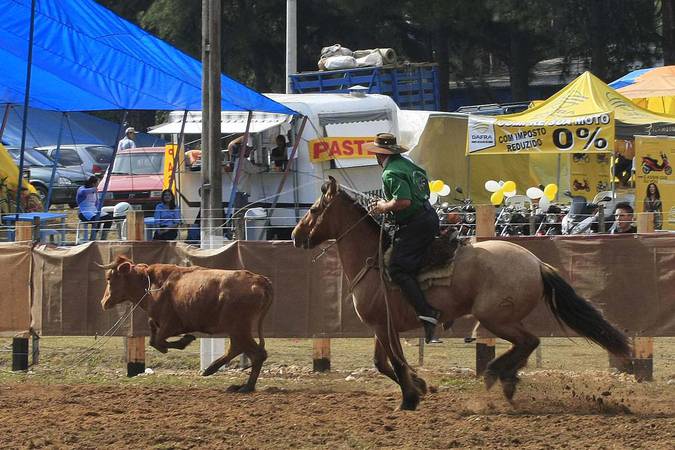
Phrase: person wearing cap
(406, 191)
(128, 139)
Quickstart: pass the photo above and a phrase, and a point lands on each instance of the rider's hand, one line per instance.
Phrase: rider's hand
(378, 207)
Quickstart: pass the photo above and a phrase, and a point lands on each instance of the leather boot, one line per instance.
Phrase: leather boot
(427, 314)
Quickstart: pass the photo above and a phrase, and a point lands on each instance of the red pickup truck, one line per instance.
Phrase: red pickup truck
(136, 177)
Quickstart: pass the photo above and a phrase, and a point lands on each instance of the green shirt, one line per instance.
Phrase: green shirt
(402, 179)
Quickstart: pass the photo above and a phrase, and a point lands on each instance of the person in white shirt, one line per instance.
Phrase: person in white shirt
(86, 201)
(128, 139)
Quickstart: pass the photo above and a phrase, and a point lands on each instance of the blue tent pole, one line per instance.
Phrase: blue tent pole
(5, 118)
(48, 200)
(29, 66)
(108, 172)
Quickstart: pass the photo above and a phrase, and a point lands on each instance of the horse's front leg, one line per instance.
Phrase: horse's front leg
(382, 363)
(409, 390)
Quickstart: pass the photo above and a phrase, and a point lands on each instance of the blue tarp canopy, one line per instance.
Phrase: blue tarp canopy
(87, 58)
(628, 79)
(78, 128)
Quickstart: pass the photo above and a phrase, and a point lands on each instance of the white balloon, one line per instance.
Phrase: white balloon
(509, 194)
(534, 193)
(492, 186)
(433, 198)
(445, 191)
(544, 203)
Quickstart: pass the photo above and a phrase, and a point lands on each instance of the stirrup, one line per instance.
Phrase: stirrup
(429, 319)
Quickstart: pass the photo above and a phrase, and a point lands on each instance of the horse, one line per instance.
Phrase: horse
(499, 283)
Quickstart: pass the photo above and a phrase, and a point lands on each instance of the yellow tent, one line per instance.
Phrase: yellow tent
(9, 177)
(442, 145)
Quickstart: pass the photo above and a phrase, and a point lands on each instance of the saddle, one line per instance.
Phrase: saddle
(438, 262)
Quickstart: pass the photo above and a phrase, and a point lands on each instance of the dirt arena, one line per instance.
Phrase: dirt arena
(348, 408)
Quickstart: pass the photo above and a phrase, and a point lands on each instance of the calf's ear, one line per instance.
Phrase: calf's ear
(124, 268)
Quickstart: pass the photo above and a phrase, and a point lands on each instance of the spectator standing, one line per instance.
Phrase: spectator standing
(167, 218)
(623, 219)
(128, 141)
(279, 154)
(86, 202)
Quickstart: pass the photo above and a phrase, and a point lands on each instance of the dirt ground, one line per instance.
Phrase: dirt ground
(554, 409)
(573, 401)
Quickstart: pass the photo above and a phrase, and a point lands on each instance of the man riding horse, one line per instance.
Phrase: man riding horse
(406, 192)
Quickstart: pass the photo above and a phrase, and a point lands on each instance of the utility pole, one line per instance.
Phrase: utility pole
(291, 41)
(212, 190)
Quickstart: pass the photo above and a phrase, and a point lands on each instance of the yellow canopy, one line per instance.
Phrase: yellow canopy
(587, 95)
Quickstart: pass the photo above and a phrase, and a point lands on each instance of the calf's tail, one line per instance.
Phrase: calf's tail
(267, 297)
(579, 314)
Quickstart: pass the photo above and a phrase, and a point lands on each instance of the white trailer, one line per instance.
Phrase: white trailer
(336, 128)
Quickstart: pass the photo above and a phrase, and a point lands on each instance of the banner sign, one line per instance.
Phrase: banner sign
(654, 179)
(590, 174)
(580, 134)
(328, 148)
(169, 154)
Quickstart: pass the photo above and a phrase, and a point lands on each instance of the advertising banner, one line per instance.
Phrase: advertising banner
(589, 174)
(654, 179)
(590, 133)
(325, 149)
(9, 180)
(169, 155)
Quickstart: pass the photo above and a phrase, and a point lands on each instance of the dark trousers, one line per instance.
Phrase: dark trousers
(411, 243)
(106, 219)
(165, 234)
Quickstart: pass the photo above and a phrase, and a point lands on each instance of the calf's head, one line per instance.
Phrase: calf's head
(125, 281)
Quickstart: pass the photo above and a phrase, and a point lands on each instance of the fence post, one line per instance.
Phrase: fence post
(23, 231)
(485, 227)
(643, 346)
(321, 358)
(134, 347)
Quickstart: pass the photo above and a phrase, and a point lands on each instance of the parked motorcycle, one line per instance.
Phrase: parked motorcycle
(652, 165)
(548, 222)
(461, 217)
(583, 217)
(512, 221)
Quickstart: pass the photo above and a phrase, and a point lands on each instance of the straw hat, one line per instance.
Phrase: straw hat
(385, 144)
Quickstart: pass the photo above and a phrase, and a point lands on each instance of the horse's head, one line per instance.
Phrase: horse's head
(315, 226)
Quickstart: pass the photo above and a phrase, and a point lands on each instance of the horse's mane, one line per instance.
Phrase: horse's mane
(374, 224)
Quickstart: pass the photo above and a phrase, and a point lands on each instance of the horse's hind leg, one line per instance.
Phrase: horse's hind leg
(505, 367)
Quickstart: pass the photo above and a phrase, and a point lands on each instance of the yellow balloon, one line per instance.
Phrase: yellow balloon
(509, 186)
(497, 197)
(436, 185)
(550, 190)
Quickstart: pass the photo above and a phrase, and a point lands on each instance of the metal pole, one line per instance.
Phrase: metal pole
(48, 200)
(26, 100)
(5, 118)
(102, 195)
(181, 138)
(205, 223)
(291, 41)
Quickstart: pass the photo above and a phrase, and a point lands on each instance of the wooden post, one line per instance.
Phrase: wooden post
(485, 227)
(643, 359)
(321, 359)
(23, 231)
(134, 347)
(642, 364)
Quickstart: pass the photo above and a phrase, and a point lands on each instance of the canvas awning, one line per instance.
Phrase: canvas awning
(230, 123)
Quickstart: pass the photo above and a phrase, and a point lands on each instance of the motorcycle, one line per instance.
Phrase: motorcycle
(549, 221)
(512, 222)
(584, 217)
(650, 164)
(578, 186)
(461, 217)
(602, 158)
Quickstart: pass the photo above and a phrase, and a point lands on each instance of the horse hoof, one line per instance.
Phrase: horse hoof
(509, 388)
(409, 404)
(421, 385)
(188, 338)
(490, 379)
(245, 389)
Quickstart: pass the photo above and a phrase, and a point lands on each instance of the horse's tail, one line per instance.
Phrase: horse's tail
(579, 314)
(268, 295)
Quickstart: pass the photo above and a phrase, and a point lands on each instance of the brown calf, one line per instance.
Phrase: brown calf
(182, 300)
